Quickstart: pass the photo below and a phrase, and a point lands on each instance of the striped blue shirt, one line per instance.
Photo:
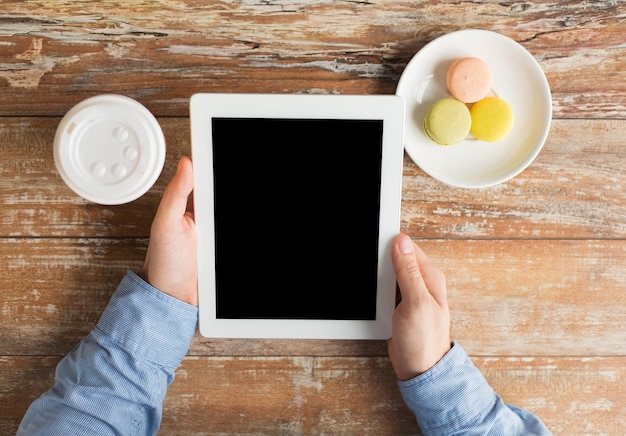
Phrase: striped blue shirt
(115, 380)
(453, 398)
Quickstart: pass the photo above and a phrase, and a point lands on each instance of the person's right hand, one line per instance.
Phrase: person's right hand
(421, 322)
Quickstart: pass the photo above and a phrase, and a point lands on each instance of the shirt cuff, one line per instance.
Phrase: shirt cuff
(449, 396)
(148, 323)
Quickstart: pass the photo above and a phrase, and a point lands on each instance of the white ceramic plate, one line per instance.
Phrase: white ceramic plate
(517, 78)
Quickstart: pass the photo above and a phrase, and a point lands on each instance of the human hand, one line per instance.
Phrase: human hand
(170, 264)
(421, 321)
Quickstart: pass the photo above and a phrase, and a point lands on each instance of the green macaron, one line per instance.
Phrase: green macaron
(447, 121)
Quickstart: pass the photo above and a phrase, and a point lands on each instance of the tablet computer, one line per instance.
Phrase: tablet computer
(297, 201)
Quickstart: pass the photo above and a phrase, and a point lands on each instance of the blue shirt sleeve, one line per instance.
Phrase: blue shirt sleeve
(453, 397)
(115, 380)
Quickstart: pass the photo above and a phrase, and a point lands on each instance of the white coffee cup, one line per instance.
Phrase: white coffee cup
(109, 149)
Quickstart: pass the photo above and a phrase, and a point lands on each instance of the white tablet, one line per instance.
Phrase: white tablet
(297, 200)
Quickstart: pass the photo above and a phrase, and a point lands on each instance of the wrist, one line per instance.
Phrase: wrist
(414, 368)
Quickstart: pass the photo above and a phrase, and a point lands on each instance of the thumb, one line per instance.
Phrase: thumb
(176, 194)
(407, 269)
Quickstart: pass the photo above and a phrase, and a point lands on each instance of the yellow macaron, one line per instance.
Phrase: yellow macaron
(492, 119)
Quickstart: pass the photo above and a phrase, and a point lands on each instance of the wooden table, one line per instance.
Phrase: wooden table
(536, 266)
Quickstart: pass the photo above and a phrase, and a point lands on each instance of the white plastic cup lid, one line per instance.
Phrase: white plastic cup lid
(109, 149)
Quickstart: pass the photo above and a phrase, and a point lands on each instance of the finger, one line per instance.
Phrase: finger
(407, 269)
(433, 276)
(176, 194)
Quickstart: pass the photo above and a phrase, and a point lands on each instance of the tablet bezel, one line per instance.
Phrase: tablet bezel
(389, 109)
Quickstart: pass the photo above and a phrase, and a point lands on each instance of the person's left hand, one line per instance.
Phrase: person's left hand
(170, 264)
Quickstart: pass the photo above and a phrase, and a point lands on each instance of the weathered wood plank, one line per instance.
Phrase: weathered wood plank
(575, 188)
(507, 297)
(300, 395)
(511, 298)
(344, 395)
(534, 266)
(35, 201)
(57, 53)
(584, 158)
(21, 381)
(54, 290)
(573, 396)
(538, 297)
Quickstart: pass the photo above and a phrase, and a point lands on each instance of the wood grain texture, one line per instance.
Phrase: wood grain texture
(535, 266)
(53, 53)
(54, 290)
(536, 297)
(575, 189)
(507, 298)
(345, 395)
(36, 202)
(338, 395)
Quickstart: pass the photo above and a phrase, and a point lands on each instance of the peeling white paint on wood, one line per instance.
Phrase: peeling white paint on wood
(535, 266)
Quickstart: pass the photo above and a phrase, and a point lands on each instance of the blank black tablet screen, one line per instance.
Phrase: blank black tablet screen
(296, 217)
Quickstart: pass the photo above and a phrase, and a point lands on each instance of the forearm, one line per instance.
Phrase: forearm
(115, 380)
(454, 398)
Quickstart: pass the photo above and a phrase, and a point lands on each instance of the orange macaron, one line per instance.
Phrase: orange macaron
(468, 79)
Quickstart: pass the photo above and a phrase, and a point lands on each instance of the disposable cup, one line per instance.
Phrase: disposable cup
(109, 149)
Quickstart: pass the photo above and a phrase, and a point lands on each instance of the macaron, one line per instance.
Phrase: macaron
(468, 79)
(447, 121)
(492, 119)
